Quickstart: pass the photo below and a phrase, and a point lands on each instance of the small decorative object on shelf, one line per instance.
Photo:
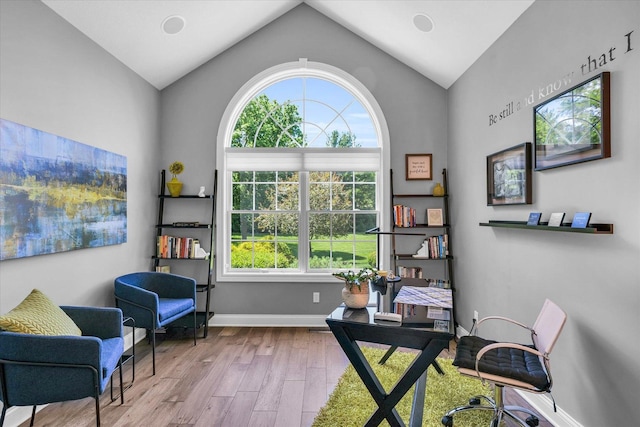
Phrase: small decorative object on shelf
(355, 293)
(555, 220)
(534, 218)
(175, 186)
(201, 192)
(581, 220)
(434, 217)
(438, 190)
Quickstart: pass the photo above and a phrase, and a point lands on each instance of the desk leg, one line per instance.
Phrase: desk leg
(387, 402)
(388, 354)
(386, 406)
(417, 407)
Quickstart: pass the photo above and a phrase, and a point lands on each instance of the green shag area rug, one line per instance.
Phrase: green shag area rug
(350, 404)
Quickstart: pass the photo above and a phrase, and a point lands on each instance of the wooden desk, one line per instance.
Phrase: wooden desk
(349, 326)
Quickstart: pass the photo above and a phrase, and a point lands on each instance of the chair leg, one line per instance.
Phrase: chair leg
(4, 412)
(195, 326)
(496, 405)
(97, 399)
(33, 415)
(153, 349)
(121, 386)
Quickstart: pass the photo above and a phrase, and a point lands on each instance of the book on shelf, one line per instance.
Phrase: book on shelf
(176, 247)
(163, 269)
(438, 283)
(434, 247)
(186, 224)
(404, 216)
(410, 272)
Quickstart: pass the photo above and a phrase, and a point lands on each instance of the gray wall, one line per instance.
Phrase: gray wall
(55, 79)
(596, 279)
(414, 107)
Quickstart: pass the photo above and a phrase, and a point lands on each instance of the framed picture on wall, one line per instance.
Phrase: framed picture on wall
(418, 167)
(574, 126)
(509, 176)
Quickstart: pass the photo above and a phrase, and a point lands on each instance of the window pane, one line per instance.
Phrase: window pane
(288, 197)
(365, 198)
(265, 195)
(366, 222)
(241, 226)
(242, 196)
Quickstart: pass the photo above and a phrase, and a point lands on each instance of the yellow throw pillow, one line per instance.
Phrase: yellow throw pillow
(38, 315)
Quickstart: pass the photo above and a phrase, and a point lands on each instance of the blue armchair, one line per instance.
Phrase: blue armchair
(154, 300)
(41, 369)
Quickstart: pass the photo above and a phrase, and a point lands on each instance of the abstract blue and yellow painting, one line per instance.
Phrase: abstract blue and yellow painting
(57, 194)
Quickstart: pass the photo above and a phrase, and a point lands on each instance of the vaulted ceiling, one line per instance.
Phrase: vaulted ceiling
(440, 39)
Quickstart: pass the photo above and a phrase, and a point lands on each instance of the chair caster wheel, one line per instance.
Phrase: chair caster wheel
(474, 401)
(532, 421)
(447, 421)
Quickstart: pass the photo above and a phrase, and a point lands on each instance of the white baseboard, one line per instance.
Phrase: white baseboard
(19, 414)
(540, 402)
(265, 320)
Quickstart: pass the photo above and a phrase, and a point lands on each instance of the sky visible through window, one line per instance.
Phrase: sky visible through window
(325, 107)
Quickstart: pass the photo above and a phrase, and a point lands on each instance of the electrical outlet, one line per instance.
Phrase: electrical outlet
(475, 315)
(316, 297)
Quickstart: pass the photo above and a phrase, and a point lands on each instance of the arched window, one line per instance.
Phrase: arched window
(301, 153)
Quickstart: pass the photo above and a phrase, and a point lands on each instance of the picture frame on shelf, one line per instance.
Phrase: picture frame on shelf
(534, 218)
(434, 217)
(418, 167)
(574, 126)
(555, 220)
(509, 177)
(581, 220)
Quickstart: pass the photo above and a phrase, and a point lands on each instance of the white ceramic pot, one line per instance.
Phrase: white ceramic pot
(354, 297)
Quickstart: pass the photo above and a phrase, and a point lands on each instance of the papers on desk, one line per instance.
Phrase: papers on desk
(420, 295)
(438, 313)
(421, 305)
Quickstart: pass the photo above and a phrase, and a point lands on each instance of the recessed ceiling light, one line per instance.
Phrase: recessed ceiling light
(423, 22)
(173, 24)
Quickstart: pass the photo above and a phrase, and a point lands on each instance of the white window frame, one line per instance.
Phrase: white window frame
(320, 157)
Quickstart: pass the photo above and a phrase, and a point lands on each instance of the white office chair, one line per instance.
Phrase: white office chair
(521, 366)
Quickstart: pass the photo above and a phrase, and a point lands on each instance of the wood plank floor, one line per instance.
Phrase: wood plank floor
(258, 377)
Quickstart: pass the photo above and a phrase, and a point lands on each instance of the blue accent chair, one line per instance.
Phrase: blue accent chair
(40, 369)
(154, 300)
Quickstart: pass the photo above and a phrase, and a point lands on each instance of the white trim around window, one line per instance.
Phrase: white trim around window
(228, 159)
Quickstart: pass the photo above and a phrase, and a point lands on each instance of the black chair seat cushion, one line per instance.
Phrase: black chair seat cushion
(505, 362)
